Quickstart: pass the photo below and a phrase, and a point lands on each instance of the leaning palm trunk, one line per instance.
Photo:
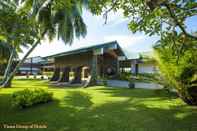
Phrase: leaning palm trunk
(11, 75)
(9, 65)
(6, 83)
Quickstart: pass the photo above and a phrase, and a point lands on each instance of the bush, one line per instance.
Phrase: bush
(124, 76)
(27, 97)
(179, 70)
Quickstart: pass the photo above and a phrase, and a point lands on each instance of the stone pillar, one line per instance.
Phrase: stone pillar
(65, 75)
(93, 78)
(136, 66)
(56, 75)
(136, 69)
(118, 67)
(77, 75)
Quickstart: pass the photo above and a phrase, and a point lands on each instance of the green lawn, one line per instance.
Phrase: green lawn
(101, 109)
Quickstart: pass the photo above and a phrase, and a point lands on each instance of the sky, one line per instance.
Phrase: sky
(98, 33)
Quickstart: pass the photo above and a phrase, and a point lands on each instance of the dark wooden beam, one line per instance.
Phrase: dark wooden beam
(56, 75)
(65, 75)
(77, 75)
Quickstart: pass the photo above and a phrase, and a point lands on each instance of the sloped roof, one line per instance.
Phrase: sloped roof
(89, 48)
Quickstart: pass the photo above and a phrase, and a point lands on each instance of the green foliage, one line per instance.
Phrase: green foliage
(124, 76)
(145, 77)
(16, 30)
(153, 17)
(27, 97)
(179, 71)
(60, 18)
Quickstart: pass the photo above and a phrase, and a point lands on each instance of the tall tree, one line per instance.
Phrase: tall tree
(17, 31)
(179, 70)
(56, 18)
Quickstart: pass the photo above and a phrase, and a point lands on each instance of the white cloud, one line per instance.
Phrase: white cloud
(125, 40)
(132, 44)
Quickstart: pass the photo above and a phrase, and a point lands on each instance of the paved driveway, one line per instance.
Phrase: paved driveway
(125, 84)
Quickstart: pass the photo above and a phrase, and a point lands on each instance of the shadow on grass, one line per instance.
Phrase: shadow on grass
(78, 99)
(126, 116)
(77, 112)
(138, 93)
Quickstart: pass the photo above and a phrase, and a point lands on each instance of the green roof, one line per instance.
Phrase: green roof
(89, 48)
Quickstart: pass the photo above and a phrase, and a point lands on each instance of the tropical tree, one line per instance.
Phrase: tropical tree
(4, 52)
(164, 18)
(55, 18)
(179, 70)
(17, 31)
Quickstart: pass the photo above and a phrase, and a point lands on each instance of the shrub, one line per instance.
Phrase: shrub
(124, 76)
(179, 70)
(27, 97)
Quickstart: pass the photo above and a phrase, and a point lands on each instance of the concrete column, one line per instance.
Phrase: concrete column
(65, 75)
(136, 67)
(93, 71)
(56, 75)
(118, 67)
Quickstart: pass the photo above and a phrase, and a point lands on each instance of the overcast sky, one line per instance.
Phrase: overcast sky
(98, 33)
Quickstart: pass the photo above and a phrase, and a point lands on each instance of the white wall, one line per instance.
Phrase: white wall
(147, 68)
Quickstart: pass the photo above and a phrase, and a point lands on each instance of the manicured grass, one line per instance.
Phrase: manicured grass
(101, 109)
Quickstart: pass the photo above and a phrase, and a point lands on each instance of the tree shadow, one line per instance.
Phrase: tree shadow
(78, 112)
(128, 115)
(138, 93)
(78, 99)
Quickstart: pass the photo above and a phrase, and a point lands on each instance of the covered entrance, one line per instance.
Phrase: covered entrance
(84, 66)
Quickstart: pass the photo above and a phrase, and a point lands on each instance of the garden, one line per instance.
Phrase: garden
(99, 108)
(27, 23)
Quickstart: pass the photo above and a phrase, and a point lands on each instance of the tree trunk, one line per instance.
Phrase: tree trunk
(11, 75)
(8, 68)
(77, 78)
(8, 84)
(65, 75)
(56, 75)
(93, 76)
(189, 96)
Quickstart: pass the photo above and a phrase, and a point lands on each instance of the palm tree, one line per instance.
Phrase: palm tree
(61, 19)
(16, 31)
(7, 54)
(4, 52)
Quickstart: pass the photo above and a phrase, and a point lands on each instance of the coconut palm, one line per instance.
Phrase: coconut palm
(4, 52)
(7, 54)
(56, 18)
(17, 31)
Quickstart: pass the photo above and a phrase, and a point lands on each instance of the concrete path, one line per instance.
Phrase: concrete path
(125, 84)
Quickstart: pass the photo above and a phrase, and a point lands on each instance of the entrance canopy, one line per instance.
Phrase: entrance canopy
(99, 59)
(97, 49)
(83, 56)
